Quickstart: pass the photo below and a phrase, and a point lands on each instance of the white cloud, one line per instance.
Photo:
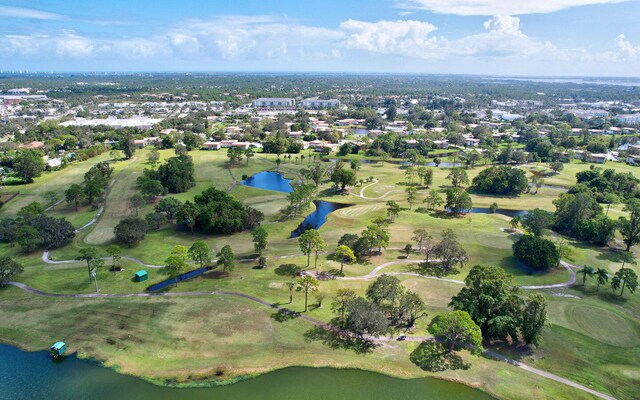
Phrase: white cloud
(237, 36)
(28, 13)
(498, 7)
(626, 48)
(273, 42)
(409, 38)
(502, 38)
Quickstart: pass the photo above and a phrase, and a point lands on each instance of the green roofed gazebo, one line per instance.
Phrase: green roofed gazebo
(141, 276)
(58, 349)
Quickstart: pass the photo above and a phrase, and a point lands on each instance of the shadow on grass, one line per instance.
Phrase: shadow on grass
(516, 350)
(287, 270)
(215, 275)
(284, 315)
(337, 340)
(604, 293)
(445, 215)
(432, 269)
(435, 357)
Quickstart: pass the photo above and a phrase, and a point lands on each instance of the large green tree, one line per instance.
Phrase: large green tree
(341, 303)
(491, 299)
(131, 230)
(74, 195)
(534, 319)
(344, 254)
(226, 258)
(364, 317)
(630, 227)
(458, 177)
(8, 269)
(28, 164)
(260, 239)
(458, 201)
(457, 327)
(200, 252)
(537, 220)
(536, 252)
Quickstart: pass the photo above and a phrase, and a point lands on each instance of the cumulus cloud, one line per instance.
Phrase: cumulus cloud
(396, 37)
(28, 13)
(502, 38)
(626, 48)
(498, 7)
(279, 42)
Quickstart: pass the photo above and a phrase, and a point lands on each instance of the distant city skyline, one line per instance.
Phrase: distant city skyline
(480, 37)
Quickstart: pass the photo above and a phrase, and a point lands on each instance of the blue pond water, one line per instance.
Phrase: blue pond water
(444, 164)
(179, 278)
(508, 213)
(317, 218)
(269, 180)
(361, 131)
(27, 376)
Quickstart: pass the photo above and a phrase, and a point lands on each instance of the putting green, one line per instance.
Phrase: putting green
(602, 325)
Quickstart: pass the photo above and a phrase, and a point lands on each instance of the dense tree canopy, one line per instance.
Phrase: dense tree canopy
(501, 180)
(176, 174)
(131, 230)
(212, 211)
(536, 252)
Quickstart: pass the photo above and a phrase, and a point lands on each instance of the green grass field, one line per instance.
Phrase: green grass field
(593, 339)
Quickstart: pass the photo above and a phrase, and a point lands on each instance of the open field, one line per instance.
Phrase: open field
(593, 339)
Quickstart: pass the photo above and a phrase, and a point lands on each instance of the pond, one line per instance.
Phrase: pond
(508, 213)
(269, 180)
(485, 210)
(317, 218)
(179, 278)
(37, 376)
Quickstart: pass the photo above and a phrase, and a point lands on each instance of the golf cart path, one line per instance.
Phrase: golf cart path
(361, 195)
(308, 319)
(373, 274)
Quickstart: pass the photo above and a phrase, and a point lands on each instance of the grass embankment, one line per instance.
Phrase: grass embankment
(191, 340)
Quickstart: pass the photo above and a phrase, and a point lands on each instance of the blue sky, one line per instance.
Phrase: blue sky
(502, 37)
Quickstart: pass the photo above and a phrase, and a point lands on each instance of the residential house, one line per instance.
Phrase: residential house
(209, 145)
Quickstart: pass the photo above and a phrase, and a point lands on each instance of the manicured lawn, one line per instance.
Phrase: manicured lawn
(56, 181)
(192, 338)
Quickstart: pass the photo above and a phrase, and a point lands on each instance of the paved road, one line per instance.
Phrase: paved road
(308, 319)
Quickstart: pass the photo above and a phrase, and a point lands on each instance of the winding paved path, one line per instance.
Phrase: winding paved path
(376, 272)
(361, 195)
(311, 320)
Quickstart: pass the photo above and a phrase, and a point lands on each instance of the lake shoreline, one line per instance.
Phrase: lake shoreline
(211, 382)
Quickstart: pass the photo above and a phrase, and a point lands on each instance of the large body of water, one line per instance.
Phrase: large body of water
(36, 376)
(269, 180)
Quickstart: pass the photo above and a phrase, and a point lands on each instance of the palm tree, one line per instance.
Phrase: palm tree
(586, 270)
(602, 276)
